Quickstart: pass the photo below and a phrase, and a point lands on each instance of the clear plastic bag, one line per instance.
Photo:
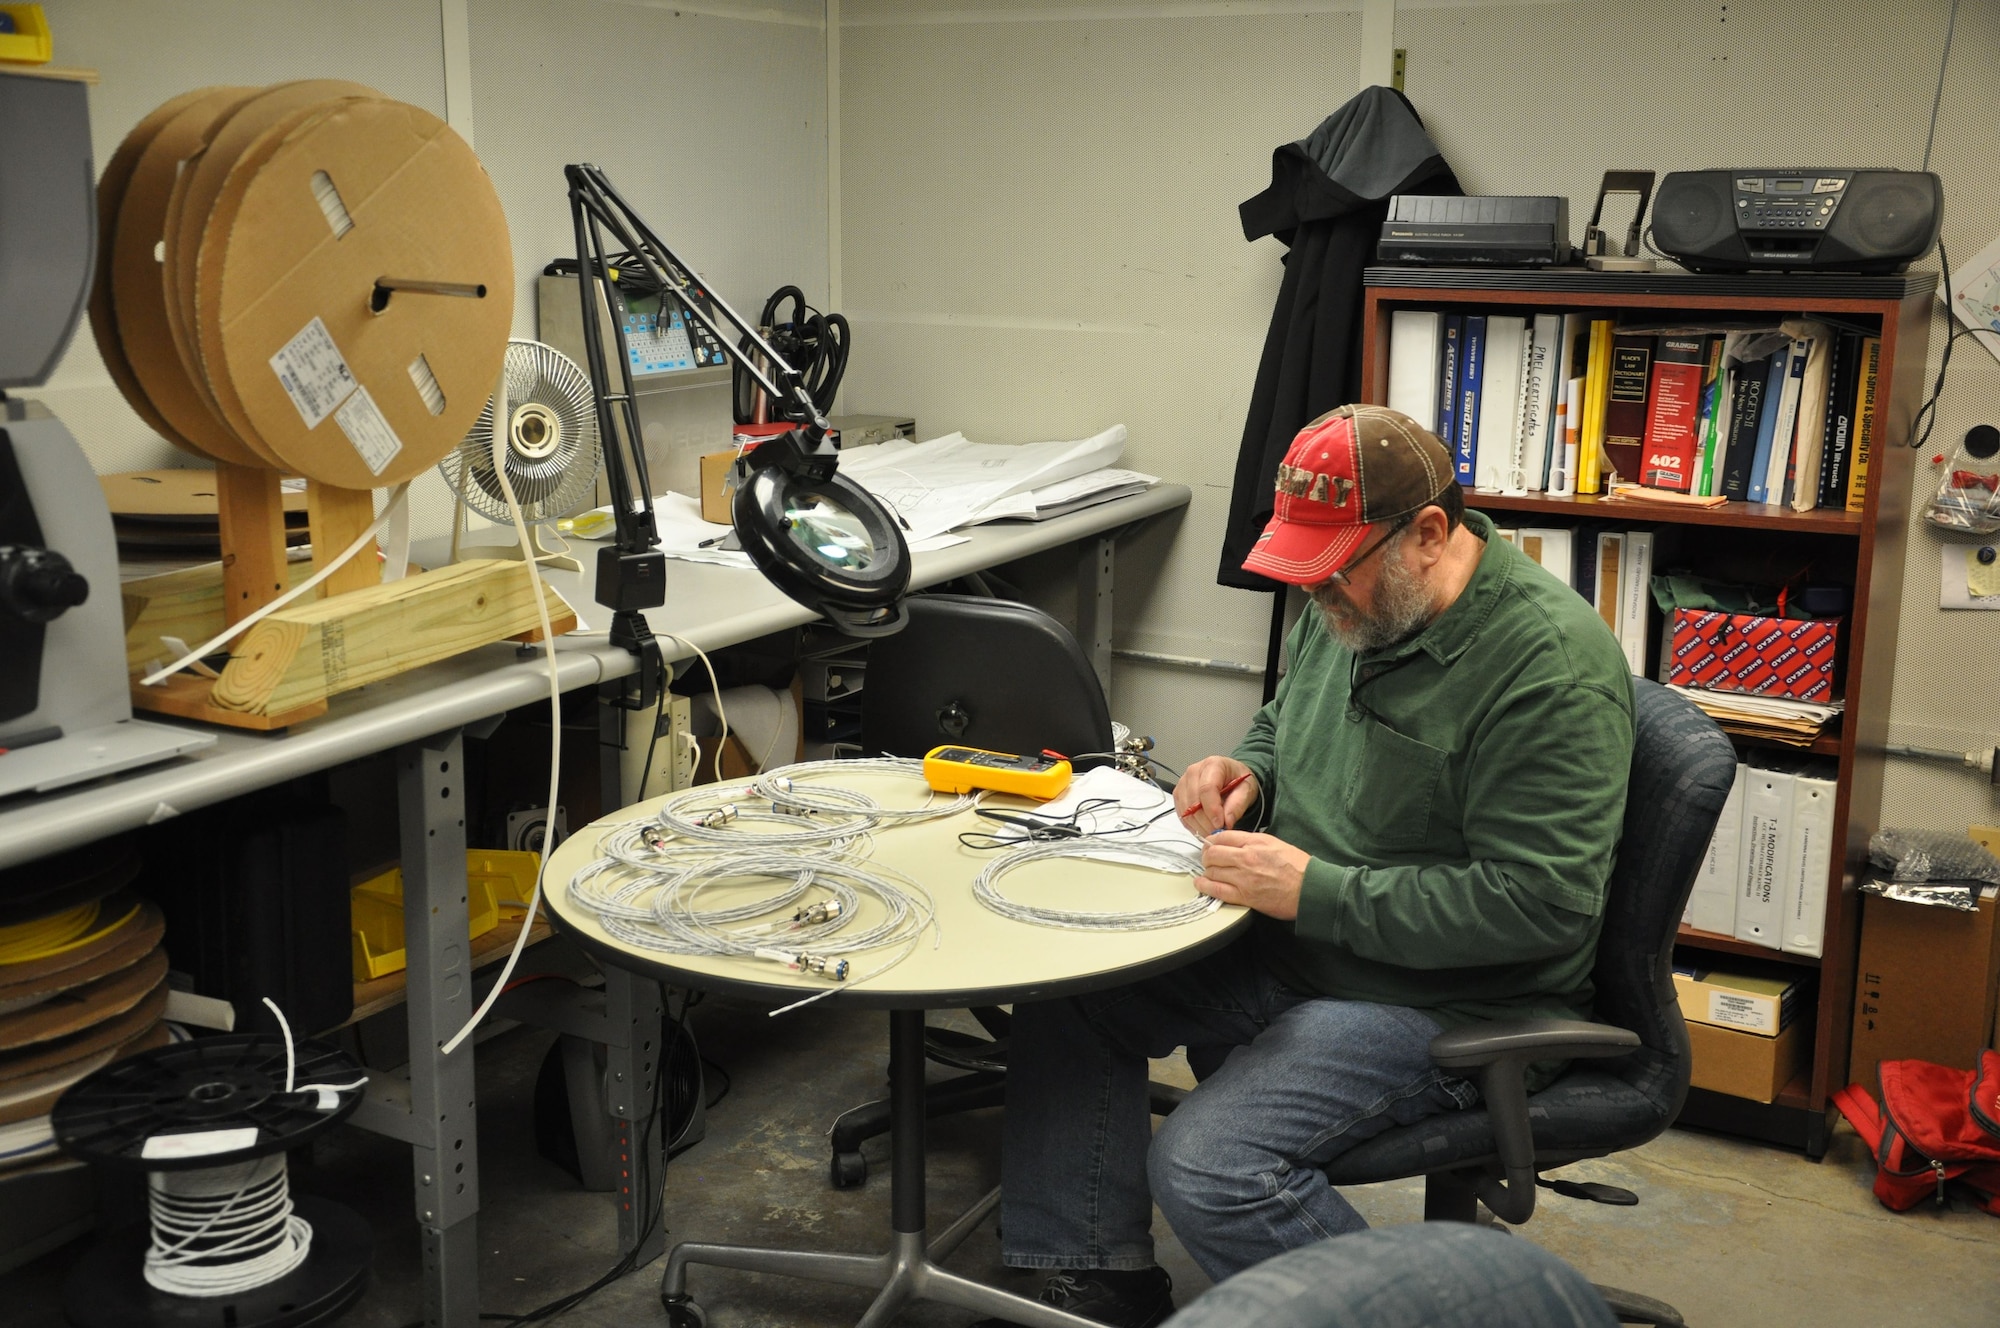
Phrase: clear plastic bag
(1967, 501)
(1932, 855)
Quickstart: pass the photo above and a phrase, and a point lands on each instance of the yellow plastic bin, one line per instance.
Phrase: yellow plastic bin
(494, 878)
(24, 35)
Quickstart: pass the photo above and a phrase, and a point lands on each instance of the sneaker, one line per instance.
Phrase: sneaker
(1138, 1299)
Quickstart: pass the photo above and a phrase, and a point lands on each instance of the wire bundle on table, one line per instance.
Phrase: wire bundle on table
(811, 840)
(1161, 857)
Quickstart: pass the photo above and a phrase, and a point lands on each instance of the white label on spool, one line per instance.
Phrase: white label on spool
(314, 373)
(200, 1143)
(362, 421)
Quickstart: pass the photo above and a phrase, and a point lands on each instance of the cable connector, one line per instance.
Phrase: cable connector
(654, 838)
(814, 915)
(803, 962)
(722, 815)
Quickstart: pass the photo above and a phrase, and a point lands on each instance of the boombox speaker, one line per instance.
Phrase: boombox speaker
(1797, 220)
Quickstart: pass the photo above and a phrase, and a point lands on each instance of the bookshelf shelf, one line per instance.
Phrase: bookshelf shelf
(1717, 943)
(1597, 507)
(1862, 549)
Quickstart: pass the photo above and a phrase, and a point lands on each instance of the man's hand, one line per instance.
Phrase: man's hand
(1201, 786)
(1261, 872)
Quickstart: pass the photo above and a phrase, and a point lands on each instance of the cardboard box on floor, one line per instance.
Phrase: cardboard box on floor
(1745, 1064)
(1925, 985)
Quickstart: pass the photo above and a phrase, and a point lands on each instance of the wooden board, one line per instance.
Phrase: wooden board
(338, 517)
(185, 604)
(285, 667)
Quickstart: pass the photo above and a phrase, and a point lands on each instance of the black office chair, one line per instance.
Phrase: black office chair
(1441, 1276)
(1631, 1071)
(987, 673)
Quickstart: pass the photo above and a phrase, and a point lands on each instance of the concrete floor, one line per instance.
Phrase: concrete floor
(1732, 1233)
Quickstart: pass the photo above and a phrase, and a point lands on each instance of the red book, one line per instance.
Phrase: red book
(1673, 418)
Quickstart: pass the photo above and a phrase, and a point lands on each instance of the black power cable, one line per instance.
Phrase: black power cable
(812, 342)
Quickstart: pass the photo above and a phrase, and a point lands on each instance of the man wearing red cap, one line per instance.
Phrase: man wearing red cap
(1424, 819)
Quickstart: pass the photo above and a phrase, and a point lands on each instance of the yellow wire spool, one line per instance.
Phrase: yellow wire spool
(58, 933)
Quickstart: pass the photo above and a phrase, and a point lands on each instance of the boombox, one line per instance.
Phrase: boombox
(1797, 220)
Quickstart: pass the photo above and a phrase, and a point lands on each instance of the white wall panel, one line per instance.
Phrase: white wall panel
(1040, 239)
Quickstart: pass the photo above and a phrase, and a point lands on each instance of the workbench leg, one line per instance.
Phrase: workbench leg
(632, 1007)
(430, 778)
(1093, 606)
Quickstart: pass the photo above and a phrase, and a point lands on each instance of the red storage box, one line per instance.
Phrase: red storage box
(1742, 652)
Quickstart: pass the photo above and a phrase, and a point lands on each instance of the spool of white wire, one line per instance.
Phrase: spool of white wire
(224, 1231)
(1159, 857)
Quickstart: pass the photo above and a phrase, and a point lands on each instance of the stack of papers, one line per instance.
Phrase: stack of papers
(1779, 719)
(1114, 808)
(952, 481)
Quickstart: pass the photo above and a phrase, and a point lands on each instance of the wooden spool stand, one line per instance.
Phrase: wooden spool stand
(356, 630)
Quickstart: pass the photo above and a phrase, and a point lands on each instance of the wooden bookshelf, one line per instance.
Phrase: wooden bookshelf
(1716, 943)
(1867, 545)
(1598, 507)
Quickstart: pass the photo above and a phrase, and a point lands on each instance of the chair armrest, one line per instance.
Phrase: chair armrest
(1475, 1045)
(1498, 1054)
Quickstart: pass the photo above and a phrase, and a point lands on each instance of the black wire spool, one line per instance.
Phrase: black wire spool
(220, 1083)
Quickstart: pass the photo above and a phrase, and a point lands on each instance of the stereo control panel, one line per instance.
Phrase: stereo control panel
(1802, 202)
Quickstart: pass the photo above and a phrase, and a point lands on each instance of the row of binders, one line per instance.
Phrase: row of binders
(1563, 403)
(1765, 877)
(1613, 569)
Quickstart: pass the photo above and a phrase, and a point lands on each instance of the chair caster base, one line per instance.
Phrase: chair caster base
(849, 1171)
(682, 1312)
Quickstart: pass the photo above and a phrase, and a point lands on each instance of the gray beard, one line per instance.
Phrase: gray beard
(1404, 606)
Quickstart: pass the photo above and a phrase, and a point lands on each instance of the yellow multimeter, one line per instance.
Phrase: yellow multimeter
(962, 769)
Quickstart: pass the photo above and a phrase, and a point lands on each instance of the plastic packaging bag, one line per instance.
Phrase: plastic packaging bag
(1932, 855)
(1967, 501)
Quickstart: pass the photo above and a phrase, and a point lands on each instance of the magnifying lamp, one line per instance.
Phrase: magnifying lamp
(815, 535)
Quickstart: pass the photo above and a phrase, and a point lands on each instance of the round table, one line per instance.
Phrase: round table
(980, 958)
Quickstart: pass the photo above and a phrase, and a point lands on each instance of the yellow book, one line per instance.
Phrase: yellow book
(1596, 395)
(1864, 424)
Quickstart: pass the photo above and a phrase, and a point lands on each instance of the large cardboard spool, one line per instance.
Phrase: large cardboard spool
(111, 188)
(138, 283)
(349, 384)
(202, 177)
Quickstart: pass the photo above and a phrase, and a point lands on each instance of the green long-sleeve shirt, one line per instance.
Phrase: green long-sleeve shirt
(1461, 796)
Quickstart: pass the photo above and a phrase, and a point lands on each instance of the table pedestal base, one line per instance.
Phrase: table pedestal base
(909, 1271)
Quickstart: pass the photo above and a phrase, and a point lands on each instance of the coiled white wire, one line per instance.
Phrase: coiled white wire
(225, 1230)
(782, 788)
(1184, 861)
(230, 1229)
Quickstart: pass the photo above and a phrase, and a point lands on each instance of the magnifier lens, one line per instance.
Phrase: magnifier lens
(827, 530)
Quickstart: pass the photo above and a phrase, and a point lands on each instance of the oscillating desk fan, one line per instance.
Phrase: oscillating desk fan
(552, 453)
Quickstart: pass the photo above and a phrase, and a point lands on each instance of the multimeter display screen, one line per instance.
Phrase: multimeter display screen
(992, 760)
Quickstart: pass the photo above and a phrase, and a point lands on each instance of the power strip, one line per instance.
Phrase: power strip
(673, 754)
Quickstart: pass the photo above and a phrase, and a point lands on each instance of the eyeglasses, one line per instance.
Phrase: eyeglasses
(1342, 577)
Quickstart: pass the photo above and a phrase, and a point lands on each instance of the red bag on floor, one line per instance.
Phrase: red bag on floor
(1936, 1124)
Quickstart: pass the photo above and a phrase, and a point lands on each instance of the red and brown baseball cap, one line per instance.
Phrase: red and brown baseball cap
(1347, 472)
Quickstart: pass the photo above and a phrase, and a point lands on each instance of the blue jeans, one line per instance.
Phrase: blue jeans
(1235, 1168)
